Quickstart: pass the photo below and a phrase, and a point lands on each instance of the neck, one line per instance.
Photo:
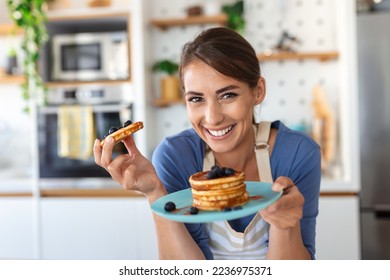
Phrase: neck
(239, 158)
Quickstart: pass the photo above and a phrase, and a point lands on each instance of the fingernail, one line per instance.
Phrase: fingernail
(277, 187)
(110, 140)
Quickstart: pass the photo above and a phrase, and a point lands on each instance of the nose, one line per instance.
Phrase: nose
(213, 113)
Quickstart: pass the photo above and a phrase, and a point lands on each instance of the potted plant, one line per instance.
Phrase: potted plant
(12, 59)
(12, 62)
(30, 16)
(235, 13)
(99, 3)
(58, 4)
(170, 85)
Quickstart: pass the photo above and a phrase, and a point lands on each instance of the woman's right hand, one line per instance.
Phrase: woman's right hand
(133, 171)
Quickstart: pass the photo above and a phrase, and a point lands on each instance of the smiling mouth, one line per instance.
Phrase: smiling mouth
(220, 133)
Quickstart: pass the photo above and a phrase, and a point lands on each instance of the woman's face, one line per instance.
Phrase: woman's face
(220, 108)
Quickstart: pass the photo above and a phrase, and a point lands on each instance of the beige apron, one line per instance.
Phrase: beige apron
(225, 242)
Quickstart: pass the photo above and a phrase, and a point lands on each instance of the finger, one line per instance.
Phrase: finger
(281, 210)
(282, 183)
(106, 157)
(97, 152)
(123, 171)
(290, 200)
(117, 167)
(130, 146)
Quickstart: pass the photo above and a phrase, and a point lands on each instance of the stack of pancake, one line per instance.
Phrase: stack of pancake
(220, 193)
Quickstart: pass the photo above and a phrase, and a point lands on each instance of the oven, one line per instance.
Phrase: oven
(54, 165)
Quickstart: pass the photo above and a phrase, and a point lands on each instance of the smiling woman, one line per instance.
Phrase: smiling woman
(219, 111)
(221, 78)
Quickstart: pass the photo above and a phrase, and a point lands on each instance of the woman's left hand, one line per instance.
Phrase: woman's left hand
(285, 213)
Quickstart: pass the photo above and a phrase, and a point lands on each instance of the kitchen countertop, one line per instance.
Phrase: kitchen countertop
(91, 187)
(89, 193)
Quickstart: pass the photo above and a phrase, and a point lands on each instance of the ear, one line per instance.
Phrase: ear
(259, 91)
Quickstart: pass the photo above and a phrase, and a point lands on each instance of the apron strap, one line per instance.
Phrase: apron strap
(208, 160)
(262, 131)
(262, 151)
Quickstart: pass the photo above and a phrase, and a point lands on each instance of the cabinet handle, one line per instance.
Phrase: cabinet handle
(382, 211)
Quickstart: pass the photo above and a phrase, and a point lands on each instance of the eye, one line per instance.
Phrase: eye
(229, 95)
(195, 99)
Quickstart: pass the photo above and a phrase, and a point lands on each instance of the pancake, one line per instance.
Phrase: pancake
(124, 132)
(218, 192)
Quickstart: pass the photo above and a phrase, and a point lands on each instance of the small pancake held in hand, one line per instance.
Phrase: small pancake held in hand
(121, 133)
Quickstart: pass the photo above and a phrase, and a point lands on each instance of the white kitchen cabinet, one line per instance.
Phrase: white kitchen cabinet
(16, 228)
(338, 232)
(97, 228)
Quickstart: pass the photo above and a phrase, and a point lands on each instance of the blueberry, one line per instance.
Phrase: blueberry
(211, 174)
(127, 123)
(226, 209)
(214, 167)
(194, 210)
(229, 171)
(237, 207)
(169, 206)
(219, 173)
(112, 130)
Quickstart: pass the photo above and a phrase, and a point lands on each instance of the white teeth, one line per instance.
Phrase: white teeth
(220, 133)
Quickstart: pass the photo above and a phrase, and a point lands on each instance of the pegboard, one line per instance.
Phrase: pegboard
(289, 83)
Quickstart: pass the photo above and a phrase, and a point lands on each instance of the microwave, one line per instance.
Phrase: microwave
(90, 56)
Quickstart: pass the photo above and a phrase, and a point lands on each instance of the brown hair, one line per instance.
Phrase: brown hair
(226, 51)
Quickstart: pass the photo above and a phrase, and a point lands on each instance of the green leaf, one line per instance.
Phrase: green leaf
(235, 13)
(165, 66)
(31, 17)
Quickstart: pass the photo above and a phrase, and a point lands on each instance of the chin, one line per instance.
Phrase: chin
(219, 148)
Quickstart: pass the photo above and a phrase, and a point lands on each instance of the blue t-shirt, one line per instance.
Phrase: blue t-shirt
(294, 155)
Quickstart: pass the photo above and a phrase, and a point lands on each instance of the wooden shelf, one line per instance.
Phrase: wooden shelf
(322, 56)
(86, 14)
(171, 22)
(7, 28)
(9, 79)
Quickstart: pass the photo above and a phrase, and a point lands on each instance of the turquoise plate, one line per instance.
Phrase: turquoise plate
(183, 201)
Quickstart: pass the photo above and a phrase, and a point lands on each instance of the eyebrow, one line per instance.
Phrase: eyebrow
(227, 88)
(194, 93)
(217, 92)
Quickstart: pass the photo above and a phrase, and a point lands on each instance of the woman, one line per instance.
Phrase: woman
(222, 83)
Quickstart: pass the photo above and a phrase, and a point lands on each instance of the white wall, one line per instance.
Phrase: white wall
(14, 122)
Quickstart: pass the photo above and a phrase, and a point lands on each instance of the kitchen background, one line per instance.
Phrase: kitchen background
(71, 216)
